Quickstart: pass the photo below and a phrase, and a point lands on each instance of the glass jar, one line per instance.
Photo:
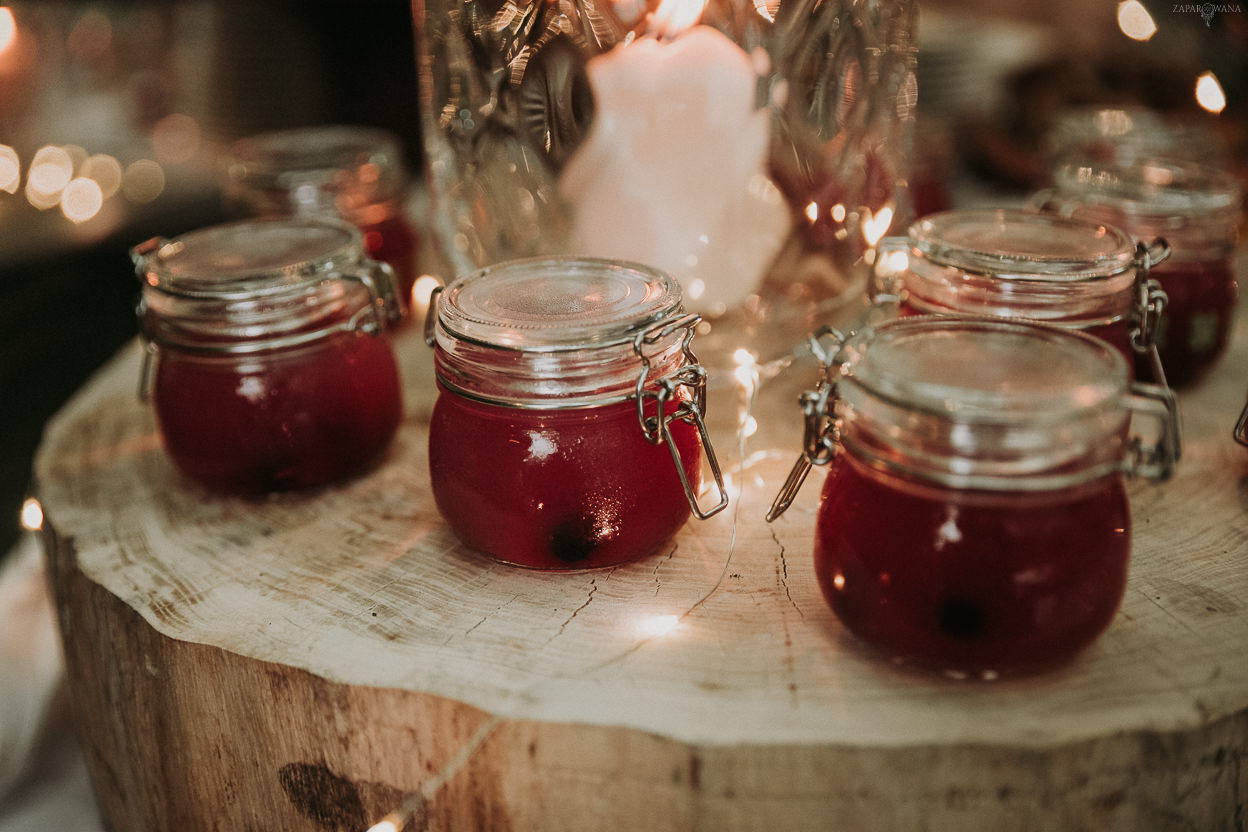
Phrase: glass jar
(266, 360)
(1126, 134)
(568, 431)
(1074, 274)
(974, 519)
(1197, 209)
(354, 173)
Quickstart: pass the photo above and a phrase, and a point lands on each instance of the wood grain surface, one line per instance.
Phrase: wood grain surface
(302, 662)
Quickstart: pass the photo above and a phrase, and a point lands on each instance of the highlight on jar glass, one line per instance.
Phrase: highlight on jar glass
(1075, 274)
(974, 519)
(1197, 209)
(266, 360)
(569, 427)
(351, 172)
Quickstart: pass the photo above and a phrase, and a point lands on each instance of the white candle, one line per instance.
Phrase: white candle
(673, 172)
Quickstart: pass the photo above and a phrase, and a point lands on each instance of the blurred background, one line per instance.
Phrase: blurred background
(115, 118)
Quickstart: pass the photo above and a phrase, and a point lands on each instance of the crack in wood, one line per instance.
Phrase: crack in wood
(658, 583)
(783, 573)
(593, 588)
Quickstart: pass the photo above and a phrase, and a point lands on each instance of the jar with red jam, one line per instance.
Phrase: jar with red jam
(1197, 209)
(974, 519)
(351, 172)
(568, 432)
(267, 361)
(1077, 275)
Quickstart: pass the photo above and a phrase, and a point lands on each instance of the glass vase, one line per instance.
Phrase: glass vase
(757, 151)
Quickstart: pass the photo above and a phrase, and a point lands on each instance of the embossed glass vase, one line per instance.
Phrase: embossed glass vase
(754, 150)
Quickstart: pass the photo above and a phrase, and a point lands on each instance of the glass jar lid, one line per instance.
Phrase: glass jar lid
(557, 303)
(309, 169)
(248, 258)
(977, 371)
(257, 284)
(1022, 245)
(984, 403)
(1195, 207)
(1158, 187)
(558, 331)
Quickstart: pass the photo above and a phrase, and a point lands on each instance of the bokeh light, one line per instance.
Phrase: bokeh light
(175, 138)
(143, 181)
(105, 171)
(8, 28)
(82, 199)
(1135, 21)
(1209, 93)
(10, 169)
(50, 171)
(32, 515)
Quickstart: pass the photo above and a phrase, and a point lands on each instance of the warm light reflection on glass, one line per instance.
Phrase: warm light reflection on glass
(749, 427)
(32, 515)
(838, 212)
(8, 28)
(674, 16)
(143, 181)
(422, 289)
(386, 825)
(767, 9)
(657, 625)
(838, 581)
(812, 211)
(875, 227)
(82, 199)
(10, 169)
(746, 371)
(1135, 21)
(1209, 93)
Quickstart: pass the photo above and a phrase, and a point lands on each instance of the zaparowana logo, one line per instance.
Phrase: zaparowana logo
(1207, 10)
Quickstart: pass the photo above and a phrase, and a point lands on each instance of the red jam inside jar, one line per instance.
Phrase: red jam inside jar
(1196, 208)
(1200, 304)
(1021, 265)
(537, 452)
(271, 371)
(971, 581)
(974, 518)
(352, 172)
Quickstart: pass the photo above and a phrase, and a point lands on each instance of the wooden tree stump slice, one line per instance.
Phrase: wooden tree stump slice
(303, 662)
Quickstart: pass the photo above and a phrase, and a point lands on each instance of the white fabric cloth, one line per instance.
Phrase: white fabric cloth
(43, 779)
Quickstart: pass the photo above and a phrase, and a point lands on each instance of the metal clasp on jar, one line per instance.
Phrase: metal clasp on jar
(1241, 427)
(1147, 310)
(821, 431)
(1154, 461)
(657, 428)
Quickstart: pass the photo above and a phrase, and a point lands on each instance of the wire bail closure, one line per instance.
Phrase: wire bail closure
(821, 432)
(1240, 433)
(1147, 310)
(657, 428)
